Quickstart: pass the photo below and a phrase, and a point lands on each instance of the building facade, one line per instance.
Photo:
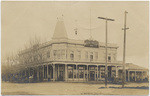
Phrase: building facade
(64, 59)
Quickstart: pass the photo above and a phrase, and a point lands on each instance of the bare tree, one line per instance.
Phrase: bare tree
(31, 55)
(7, 63)
(13, 65)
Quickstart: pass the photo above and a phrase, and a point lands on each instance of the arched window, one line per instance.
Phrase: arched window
(72, 55)
(91, 56)
(62, 54)
(48, 54)
(55, 53)
(86, 55)
(79, 55)
(96, 55)
(109, 58)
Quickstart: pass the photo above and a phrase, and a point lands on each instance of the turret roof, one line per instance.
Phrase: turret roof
(60, 30)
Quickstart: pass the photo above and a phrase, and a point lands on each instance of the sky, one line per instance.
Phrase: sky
(22, 21)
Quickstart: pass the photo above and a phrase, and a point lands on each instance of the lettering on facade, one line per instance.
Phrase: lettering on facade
(91, 43)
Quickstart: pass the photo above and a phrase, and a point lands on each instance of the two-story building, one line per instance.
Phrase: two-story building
(64, 59)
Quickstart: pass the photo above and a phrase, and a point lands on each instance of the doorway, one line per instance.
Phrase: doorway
(60, 73)
(92, 73)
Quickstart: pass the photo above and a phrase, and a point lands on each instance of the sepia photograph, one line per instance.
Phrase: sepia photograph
(74, 48)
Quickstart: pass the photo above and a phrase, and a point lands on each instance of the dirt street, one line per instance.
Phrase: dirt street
(62, 88)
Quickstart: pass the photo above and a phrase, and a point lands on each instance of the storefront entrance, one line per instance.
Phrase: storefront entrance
(60, 73)
(92, 73)
(60, 77)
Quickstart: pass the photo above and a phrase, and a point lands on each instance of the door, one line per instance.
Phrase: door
(60, 77)
(92, 73)
(61, 73)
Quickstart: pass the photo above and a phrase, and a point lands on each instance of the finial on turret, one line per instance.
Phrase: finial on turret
(76, 29)
(61, 18)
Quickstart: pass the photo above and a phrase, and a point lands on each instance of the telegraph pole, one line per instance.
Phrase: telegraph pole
(106, 72)
(124, 51)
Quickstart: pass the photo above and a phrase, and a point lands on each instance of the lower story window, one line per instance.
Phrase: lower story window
(81, 73)
(70, 74)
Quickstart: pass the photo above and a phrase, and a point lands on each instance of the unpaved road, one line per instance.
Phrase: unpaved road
(62, 88)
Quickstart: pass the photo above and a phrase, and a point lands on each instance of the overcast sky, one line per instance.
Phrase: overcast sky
(23, 20)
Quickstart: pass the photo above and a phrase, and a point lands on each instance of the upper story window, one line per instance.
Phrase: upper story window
(109, 58)
(48, 54)
(72, 55)
(79, 55)
(86, 55)
(96, 55)
(91, 56)
(55, 53)
(58, 54)
(114, 57)
(63, 54)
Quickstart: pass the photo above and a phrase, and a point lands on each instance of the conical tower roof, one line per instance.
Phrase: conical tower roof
(60, 30)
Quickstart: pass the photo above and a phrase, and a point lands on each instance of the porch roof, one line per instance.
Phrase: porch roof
(131, 66)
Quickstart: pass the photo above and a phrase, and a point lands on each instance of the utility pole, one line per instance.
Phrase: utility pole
(124, 51)
(106, 72)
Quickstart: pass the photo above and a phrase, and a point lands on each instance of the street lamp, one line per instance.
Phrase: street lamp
(106, 73)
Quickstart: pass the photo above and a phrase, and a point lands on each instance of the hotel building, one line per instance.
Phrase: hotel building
(64, 59)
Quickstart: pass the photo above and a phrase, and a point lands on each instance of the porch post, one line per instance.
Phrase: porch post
(43, 71)
(84, 73)
(58, 72)
(73, 71)
(76, 72)
(50, 71)
(128, 75)
(100, 72)
(142, 76)
(66, 72)
(116, 72)
(47, 72)
(97, 72)
(111, 70)
(135, 75)
(53, 72)
(87, 73)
